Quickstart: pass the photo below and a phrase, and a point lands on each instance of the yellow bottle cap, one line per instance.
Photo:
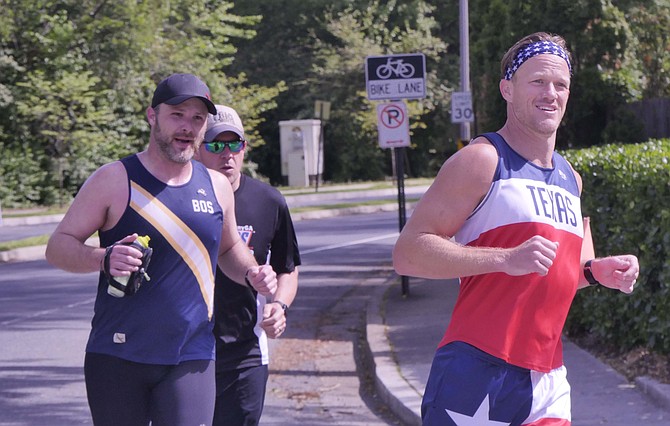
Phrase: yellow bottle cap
(144, 240)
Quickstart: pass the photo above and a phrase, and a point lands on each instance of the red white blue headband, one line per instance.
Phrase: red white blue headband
(534, 49)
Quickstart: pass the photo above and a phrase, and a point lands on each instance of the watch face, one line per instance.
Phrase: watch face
(284, 306)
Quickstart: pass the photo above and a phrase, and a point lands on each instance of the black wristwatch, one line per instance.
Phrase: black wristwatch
(283, 305)
(588, 274)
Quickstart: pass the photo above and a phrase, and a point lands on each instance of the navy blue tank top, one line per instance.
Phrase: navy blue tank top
(169, 319)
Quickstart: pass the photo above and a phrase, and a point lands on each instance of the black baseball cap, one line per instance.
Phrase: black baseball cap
(179, 87)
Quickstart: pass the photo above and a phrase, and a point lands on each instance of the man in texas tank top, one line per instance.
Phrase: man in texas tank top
(504, 216)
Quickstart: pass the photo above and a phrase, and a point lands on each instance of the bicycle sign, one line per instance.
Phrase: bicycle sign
(395, 67)
(396, 76)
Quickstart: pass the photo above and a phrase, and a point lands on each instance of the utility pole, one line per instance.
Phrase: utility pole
(464, 35)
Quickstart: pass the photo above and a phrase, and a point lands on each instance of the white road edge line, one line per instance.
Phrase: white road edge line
(350, 243)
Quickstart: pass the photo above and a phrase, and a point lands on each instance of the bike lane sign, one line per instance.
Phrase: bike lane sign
(393, 77)
(393, 124)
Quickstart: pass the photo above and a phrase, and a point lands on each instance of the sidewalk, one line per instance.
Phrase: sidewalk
(402, 333)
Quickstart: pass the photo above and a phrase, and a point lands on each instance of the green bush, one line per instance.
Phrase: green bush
(626, 192)
(22, 178)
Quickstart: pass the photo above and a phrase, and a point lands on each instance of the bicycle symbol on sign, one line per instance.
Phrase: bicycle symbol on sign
(395, 67)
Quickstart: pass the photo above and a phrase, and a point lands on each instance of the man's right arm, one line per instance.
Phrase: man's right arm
(98, 205)
(425, 247)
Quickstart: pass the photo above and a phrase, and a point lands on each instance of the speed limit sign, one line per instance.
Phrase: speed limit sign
(461, 107)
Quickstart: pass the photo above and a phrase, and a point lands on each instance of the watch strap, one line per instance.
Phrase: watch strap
(588, 274)
(283, 305)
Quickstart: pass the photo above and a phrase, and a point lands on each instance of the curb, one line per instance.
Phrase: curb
(394, 390)
(23, 254)
(320, 214)
(310, 199)
(27, 254)
(31, 220)
(658, 392)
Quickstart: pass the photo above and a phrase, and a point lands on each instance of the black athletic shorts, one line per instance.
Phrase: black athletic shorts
(240, 395)
(128, 393)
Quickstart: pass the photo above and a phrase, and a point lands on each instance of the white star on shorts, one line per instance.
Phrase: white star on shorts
(480, 418)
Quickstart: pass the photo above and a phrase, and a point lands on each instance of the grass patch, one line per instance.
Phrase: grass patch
(40, 240)
(347, 205)
(352, 186)
(7, 213)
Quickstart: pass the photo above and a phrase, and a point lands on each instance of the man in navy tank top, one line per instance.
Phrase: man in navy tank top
(150, 354)
(504, 216)
(244, 318)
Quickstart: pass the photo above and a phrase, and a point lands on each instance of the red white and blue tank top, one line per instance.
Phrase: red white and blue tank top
(520, 319)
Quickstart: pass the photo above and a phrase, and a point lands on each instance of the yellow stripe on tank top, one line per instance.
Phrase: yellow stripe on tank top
(181, 238)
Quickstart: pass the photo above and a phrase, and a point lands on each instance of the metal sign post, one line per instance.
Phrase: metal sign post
(393, 127)
(402, 213)
(394, 77)
(322, 112)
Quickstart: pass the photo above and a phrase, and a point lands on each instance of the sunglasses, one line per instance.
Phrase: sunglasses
(217, 147)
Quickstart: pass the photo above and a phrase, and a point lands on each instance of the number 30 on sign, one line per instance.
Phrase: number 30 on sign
(461, 107)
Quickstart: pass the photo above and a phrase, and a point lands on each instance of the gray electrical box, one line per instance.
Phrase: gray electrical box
(301, 153)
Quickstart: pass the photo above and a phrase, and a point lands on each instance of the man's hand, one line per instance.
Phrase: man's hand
(274, 320)
(616, 272)
(124, 259)
(535, 255)
(263, 279)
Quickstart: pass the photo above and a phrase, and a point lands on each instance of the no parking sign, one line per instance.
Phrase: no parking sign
(393, 124)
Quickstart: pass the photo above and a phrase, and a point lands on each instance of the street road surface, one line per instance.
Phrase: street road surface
(45, 318)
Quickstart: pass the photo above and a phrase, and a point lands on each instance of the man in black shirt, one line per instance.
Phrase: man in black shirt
(243, 318)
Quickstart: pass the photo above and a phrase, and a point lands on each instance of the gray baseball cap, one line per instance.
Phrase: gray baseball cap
(226, 119)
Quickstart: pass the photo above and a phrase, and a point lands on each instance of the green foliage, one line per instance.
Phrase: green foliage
(381, 28)
(22, 179)
(77, 76)
(627, 195)
(322, 56)
(605, 64)
(650, 22)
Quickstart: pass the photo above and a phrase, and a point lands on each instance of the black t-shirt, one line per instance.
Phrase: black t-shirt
(264, 223)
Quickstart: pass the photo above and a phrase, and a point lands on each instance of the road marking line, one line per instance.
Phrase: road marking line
(47, 312)
(350, 243)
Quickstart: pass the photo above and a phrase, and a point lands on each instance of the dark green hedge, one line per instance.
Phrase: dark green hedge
(626, 191)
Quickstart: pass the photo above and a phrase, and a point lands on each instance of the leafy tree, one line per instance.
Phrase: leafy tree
(604, 64)
(80, 75)
(21, 176)
(76, 76)
(650, 22)
(321, 56)
(355, 33)
(281, 51)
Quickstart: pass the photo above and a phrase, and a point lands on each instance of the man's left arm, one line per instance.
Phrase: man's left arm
(616, 272)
